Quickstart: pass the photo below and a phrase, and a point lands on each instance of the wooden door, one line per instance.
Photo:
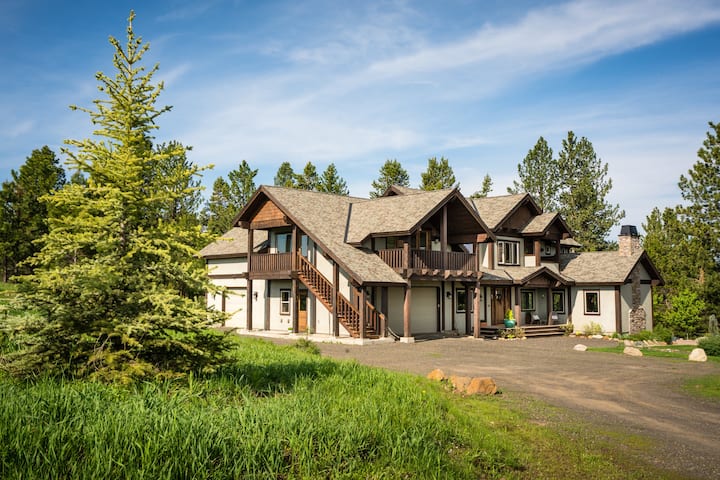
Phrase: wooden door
(500, 304)
(302, 311)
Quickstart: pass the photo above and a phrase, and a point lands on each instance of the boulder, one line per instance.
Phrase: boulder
(459, 383)
(629, 343)
(596, 336)
(697, 355)
(633, 352)
(481, 386)
(580, 347)
(437, 375)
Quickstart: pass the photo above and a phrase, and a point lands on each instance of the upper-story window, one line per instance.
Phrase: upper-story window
(282, 242)
(508, 252)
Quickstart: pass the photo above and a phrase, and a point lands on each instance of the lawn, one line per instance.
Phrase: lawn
(679, 352)
(286, 412)
(706, 387)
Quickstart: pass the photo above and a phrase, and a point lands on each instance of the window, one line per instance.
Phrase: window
(529, 247)
(527, 300)
(461, 301)
(508, 253)
(558, 302)
(282, 242)
(592, 302)
(391, 242)
(284, 302)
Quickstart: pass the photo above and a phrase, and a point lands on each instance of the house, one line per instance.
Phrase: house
(414, 262)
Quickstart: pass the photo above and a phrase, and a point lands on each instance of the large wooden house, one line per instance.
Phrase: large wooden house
(414, 262)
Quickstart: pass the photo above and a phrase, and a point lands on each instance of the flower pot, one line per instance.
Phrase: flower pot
(509, 323)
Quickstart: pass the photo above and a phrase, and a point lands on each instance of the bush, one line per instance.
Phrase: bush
(307, 346)
(663, 334)
(593, 328)
(711, 345)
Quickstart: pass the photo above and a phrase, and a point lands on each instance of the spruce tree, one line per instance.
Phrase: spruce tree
(583, 192)
(485, 189)
(331, 182)
(308, 179)
(229, 197)
(285, 176)
(438, 176)
(117, 287)
(539, 177)
(391, 173)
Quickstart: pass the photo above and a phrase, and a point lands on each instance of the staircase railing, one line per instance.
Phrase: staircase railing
(348, 315)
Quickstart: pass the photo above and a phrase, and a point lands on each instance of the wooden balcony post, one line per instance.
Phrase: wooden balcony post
(363, 311)
(491, 255)
(476, 307)
(406, 256)
(538, 253)
(335, 318)
(295, 304)
(468, 298)
(549, 305)
(249, 289)
(407, 335)
(443, 238)
(293, 242)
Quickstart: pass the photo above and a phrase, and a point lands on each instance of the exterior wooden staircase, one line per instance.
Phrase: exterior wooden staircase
(348, 315)
(530, 330)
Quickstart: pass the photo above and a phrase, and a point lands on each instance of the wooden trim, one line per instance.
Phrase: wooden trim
(219, 276)
(362, 310)
(538, 252)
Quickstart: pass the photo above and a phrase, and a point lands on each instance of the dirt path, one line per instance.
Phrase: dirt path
(640, 395)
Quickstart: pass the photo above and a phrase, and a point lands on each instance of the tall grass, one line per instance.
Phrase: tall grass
(275, 413)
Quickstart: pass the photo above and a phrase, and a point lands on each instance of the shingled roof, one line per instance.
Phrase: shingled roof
(396, 215)
(233, 243)
(604, 267)
(493, 210)
(540, 224)
(324, 218)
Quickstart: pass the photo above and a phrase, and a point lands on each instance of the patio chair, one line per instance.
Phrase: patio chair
(535, 319)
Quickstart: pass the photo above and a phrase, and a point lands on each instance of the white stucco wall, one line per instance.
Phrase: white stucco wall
(423, 310)
(606, 318)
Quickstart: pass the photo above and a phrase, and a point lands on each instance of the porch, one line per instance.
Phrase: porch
(494, 331)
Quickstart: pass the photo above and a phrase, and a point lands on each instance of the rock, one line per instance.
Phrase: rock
(437, 375)
(459, 383)
(481, 386)
(629, 343)
(633, 352)
(580, 347)
(682, 341)
(598, 337)
(697, 355)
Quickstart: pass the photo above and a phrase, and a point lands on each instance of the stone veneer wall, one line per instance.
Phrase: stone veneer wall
(637, 316)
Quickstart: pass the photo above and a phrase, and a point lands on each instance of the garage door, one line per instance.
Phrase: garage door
(424, 310)
(235, 305)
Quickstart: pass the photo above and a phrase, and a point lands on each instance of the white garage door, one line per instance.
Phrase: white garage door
(235, 305)
(424, 310)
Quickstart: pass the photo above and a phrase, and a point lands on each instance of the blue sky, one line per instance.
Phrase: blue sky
(356, 83)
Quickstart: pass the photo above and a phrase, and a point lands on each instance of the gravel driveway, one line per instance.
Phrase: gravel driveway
(642, 395)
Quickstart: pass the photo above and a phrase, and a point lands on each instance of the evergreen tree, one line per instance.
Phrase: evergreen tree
(285, 176)
(331, 182)
(539, 177)
(117, 287)
(219, 213)
(23, 216)
(583, 193)
(308, 179)
(701, 189)
(171, 170)
(242, 186)
(485, 189)
(438, 176)
(391, 173)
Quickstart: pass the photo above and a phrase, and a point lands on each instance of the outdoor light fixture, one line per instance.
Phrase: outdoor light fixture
(255, 295)
(448, 294)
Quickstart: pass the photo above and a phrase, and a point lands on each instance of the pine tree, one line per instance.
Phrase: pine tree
(23, 216)
(219, 212)
(331, 182)
(171, 171)
(583, 193)
(701, 189)
(117, 287)
(391, 173)
(438, 176)
(285, 176)
(308, 179)
(539, 177)
(485, 189)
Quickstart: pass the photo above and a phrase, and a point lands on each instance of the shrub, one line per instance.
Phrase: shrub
(663, 334)
(711, 345)
(307, 346)
(593, 328)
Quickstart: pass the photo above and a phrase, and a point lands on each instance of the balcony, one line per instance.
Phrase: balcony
(271, 265)
(431, 263)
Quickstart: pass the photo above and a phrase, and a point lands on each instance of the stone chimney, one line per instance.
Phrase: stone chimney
(628, 241)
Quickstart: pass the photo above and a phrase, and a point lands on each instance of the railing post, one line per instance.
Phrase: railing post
(406, 255)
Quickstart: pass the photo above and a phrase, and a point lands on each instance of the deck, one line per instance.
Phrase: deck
(530, 330)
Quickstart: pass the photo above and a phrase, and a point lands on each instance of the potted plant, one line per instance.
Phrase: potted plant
(509, 319)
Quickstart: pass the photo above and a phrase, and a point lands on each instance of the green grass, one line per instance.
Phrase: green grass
(679, 352)
(706, 387)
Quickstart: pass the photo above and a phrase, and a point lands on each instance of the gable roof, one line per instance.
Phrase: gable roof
(232, 244)
(323, 217)
(540, 224)
(401, 214)
(495, 210)
(523, 275)
(400, 190)
(608, 268)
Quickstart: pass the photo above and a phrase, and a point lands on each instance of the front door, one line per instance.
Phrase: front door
(302, 311)
(501, 304)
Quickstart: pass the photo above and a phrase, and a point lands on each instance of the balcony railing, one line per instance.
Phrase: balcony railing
(428, 259)
(271, 262)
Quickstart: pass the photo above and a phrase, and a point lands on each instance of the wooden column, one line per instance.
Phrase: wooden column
(476, 307)
(268, 289)
(295, 253)
(406, 310)
(441, 320)
(295, 303)
(443, 239)
(468, 299)
(406, 256)
(618, 310)
(491, 254)
(384, 291)
(362, 310)
(538, 253)
(249, 289)
(549, 305)
(335, 320)
(516, 306)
